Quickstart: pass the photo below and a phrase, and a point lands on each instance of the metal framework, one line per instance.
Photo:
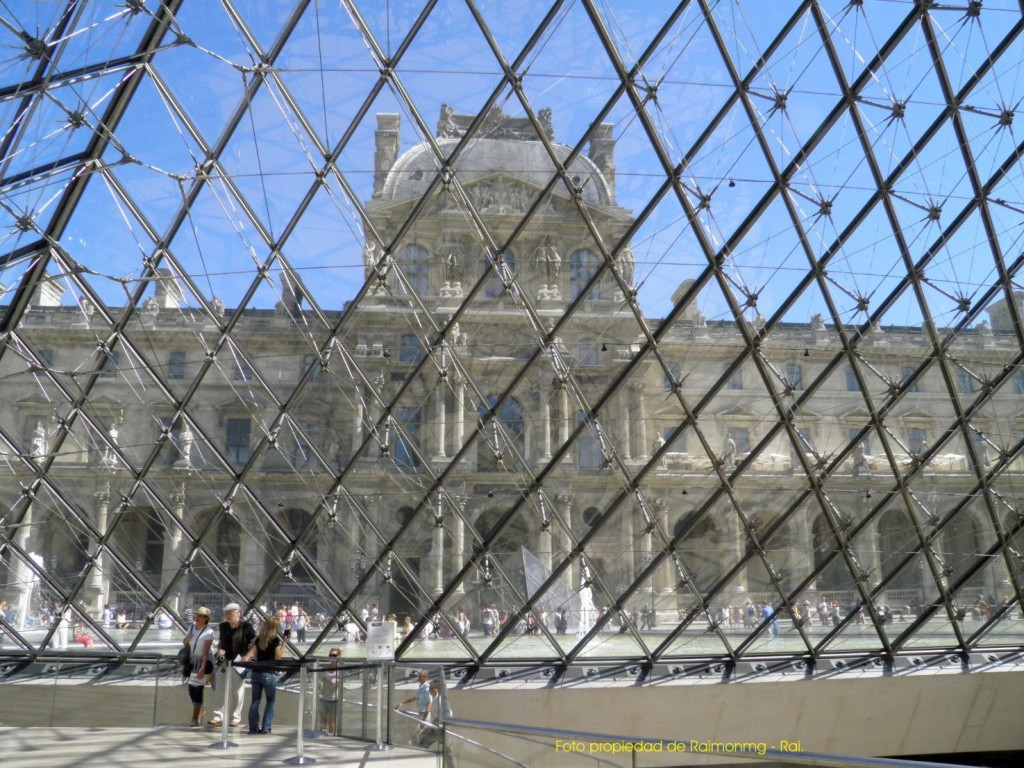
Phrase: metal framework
(842, 160)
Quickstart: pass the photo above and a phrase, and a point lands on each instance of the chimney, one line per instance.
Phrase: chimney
(386, 138)
(602, 152)
(168, 291)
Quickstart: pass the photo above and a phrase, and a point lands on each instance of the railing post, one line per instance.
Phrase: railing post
(380, 745)
(301, 758)
(225, 712)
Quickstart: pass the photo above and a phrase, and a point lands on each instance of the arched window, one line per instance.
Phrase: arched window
(415, 264)
(504, 443)
(582, 266)
(897, 539)
(835, 575)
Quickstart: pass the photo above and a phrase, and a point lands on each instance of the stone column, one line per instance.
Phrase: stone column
(460, 412)
(23, 579)
(664, 577)
(545, 430)
(566, 421)
(641, 423)
(564, 506)
(439, 407)
(172, 539)
(459, 546)
(437, 558)
(626, 438)
(357, 419)
(99, 579)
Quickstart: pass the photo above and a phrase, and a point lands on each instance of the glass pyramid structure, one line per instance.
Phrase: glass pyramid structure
(559, 331)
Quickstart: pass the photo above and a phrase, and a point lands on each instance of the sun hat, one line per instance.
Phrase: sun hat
(232, 607)
(204, 612)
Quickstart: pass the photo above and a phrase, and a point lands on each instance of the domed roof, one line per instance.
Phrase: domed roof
(525, 160)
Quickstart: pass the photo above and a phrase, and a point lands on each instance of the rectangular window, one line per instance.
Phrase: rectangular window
(804, 439)
(964, 381)
(905, 373)
(1018, 382)
(242, 371)
(408, 438)
(852, 385)
(239, 432)
(740, 436)
(676, 439)
(312, 361)
(588, 447)
(588, 352)
(171, 451)
(46, 355)
(411, 350)
(111, 364)
(306, 436)
(672, 377)
(795, 376)
(916, 439)
(735, 380)
(851, 435)
(176, 365)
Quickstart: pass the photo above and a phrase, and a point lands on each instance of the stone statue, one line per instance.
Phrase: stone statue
(446, 125)
(551, 262)
(729, 453)
(218, 308)
(700, 320)
(151, 307)
(186, 445)
(860, 461)
(544, 116)
(453, 265)
(817, 322)
(39, 441)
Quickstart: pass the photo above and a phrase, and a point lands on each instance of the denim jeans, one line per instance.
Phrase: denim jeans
(263, 684)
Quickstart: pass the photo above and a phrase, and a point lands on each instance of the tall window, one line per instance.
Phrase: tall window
(588, 447)
(495, 286)
(504, 436)
(111, 364)
(588, 352)
(407, 442)
(176, 365)
(852, 385)
(306, 436)
(964, 381)
(916, 439)
(415, 263)
(170, 452)
(795, 376)
(582, 266)
(672, 377)
(312, 361)
(740, 436)
(239, 432)
(735, 380)
(410, 350)
(242, 371)
(905, 373)
(1018, 382)
(676, 439)
(851, 435)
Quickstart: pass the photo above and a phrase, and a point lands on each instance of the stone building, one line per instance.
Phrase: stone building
(491, 419)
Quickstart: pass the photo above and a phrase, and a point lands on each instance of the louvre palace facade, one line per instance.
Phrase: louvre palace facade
(492, 420)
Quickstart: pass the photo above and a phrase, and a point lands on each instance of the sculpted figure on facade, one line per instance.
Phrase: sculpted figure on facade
(551, 263)
(39, 441)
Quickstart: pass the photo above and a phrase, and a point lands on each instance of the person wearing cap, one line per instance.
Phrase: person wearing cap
(235, 639)
(199, 641)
